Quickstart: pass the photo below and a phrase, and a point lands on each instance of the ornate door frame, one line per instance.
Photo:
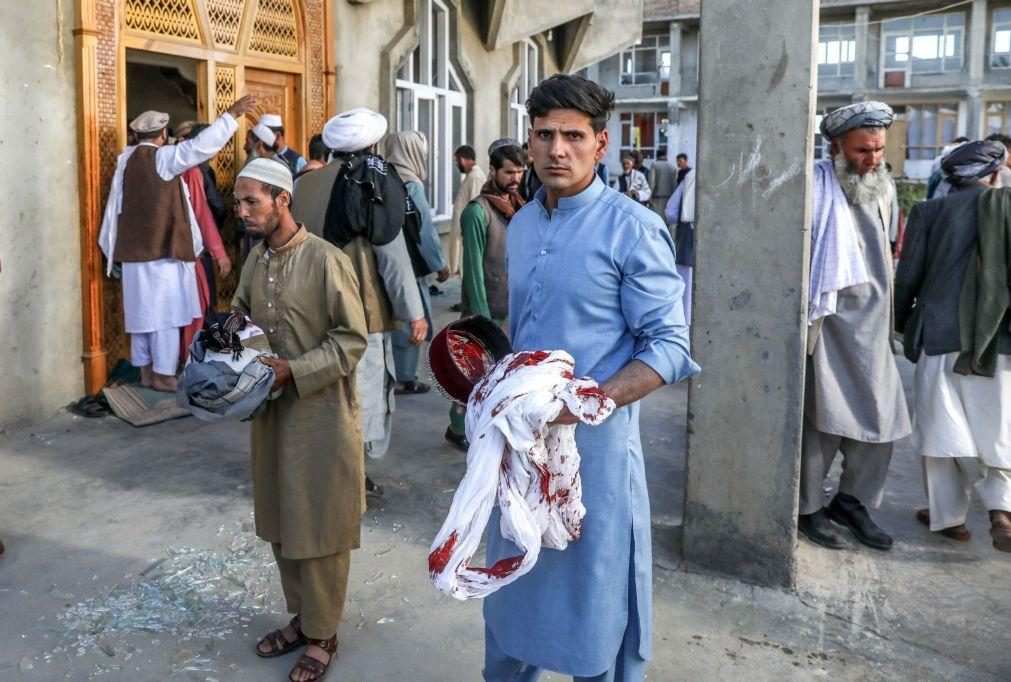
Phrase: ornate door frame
(290, 36)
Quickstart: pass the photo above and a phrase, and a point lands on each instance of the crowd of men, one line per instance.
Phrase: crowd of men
(948, 297)
(338, 252)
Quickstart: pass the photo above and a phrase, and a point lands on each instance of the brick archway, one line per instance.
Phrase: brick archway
(291, 37)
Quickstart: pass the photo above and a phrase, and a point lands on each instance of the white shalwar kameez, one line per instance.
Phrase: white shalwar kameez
(161, 296)
(960, 428)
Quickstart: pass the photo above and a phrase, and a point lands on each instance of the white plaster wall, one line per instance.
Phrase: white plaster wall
(40, 296)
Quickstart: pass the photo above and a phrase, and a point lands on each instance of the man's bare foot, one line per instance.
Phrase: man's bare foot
(146, 376)
(164, 383)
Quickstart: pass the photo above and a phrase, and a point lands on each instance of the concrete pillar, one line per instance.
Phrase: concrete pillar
(675, 59)
(860, 74)
(976, 54)
(674, 90)
(753, 210)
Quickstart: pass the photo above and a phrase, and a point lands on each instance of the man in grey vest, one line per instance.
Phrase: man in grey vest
(483, 226)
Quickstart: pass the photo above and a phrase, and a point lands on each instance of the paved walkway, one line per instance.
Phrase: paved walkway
(101, 580)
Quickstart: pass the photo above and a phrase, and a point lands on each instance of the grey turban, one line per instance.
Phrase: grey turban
(859, 115)
(973, 160)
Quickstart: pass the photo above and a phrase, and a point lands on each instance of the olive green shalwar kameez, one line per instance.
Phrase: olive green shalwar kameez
(307, 450)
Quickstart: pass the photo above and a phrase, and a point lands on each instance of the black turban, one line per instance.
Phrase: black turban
(973, 160)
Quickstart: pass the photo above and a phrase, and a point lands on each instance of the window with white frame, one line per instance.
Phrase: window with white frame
(1000, 49)
(837, 50)
(519, 121)
(647, 62)
(929, 44)
(431, 100)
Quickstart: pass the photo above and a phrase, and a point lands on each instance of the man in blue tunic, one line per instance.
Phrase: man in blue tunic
(591, 272)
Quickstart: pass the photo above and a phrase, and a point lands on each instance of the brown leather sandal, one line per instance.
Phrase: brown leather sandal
(317, 669)
(279, 645)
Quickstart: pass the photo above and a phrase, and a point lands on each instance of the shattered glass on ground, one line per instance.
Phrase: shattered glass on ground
(192, 596)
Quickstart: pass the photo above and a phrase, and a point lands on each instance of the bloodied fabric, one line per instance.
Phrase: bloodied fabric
(517, 460)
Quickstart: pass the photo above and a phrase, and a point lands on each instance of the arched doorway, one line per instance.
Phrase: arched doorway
(280, 50)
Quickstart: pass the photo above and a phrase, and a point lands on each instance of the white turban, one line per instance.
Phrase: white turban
(269, 171)
(265, 134)
(354, 130)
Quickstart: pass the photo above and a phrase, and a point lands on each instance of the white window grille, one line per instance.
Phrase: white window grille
(647, 62)
(928, 44)
(1000, 49)
(431, 100)
(837, 50)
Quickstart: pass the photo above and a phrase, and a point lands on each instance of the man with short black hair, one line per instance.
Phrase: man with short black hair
(473, 180)
(318, 153)
(591, 272)
(682, 163)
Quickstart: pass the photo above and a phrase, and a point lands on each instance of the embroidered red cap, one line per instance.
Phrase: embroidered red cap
(463, 353)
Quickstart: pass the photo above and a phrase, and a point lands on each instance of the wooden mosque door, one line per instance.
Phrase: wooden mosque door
(278, 93)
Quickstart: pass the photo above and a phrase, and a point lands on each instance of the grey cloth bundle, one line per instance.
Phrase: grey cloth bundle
(217, 386)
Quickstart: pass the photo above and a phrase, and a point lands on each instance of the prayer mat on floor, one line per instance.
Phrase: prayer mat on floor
(141, 406)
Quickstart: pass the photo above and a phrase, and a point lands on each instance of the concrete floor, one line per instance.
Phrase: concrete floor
(87, 506)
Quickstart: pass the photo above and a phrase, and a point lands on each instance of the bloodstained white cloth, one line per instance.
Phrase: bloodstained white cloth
(516, 459)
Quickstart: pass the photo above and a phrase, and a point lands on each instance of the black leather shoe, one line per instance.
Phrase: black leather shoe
(457, 440)
(818, 529)
(847, 510)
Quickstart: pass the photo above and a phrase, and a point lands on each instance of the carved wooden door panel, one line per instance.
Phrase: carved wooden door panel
(277, 93)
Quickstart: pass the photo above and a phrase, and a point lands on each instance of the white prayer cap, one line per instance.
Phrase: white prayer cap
(149, 122)
(265, 134)
(271, 121)
(269, 171)
(354, 130)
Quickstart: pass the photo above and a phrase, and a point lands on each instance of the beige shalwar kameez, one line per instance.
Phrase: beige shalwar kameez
(307, 464)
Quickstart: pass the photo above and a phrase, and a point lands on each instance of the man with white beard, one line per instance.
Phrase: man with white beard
(853, 400)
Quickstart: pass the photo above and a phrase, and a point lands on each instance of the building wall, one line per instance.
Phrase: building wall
(365, 77)
(40, 301)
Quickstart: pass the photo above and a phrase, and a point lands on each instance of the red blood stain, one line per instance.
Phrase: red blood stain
(591, 393)
(472, 359)
(502, 567)
(525, 359)
(438, 559)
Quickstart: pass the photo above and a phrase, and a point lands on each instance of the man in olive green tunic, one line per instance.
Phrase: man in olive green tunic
(307, 448)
